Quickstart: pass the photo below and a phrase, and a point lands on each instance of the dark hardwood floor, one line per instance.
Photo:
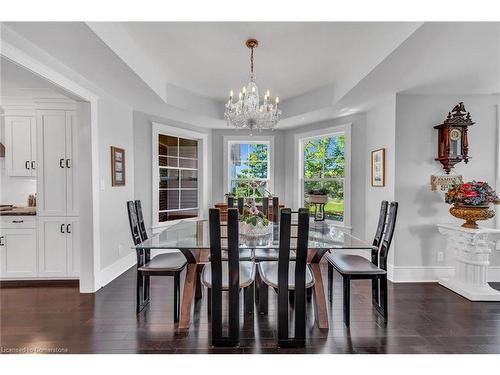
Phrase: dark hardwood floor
(423, 318)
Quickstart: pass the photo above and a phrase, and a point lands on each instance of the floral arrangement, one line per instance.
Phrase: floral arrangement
(252, 215)
(474, 193)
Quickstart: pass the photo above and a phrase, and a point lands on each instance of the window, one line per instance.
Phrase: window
(323, 167)
(249, 168)
(178, 178)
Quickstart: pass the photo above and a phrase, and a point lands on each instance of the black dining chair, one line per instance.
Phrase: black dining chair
(352, 267)
(170, 264)
(377, 240)
(226, 276)
(241, 204)
(285, 275)
(261, 255)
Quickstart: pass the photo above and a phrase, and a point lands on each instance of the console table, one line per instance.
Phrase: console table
(471, 249)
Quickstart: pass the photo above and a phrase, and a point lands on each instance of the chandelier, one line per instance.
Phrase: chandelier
(248, 112)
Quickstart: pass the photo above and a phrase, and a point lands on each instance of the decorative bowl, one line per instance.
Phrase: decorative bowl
(258, 230)
(318, 199)
(471, 214)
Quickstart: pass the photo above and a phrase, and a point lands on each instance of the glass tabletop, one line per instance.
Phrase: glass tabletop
(194, 234)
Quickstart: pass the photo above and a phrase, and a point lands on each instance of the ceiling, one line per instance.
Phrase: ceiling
(17, 81)
(184, 71)
(210, 58)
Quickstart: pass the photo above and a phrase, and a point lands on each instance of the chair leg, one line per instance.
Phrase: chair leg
(309, 294)
(375, 290)
(142, 292)
(347, 299)
(248, 294)
(139, 291)
(177, 294)
(209, 301)
(198, 293)
(330, 282)
(383, 295)
(263, 298)
(258, 281)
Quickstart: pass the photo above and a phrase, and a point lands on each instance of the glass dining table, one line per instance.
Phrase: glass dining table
(191, 237)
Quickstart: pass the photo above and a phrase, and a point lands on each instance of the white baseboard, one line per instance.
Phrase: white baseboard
(114, 270)
(428, 274)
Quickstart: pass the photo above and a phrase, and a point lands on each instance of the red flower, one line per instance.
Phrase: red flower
(470, 194)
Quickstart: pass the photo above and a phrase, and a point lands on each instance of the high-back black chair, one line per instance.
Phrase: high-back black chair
(377, 240)
(241, 204)
(230, 202)
(269, 254)
(265, 207)
(353, 267)
(226, 276)
(170, 264)
(286, 275)
(140, 220)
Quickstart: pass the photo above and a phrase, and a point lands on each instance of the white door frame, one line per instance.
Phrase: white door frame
(90, 271)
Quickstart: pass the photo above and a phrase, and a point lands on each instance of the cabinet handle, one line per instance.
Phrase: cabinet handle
(33, 164)
(62, 228)
(1, 241)
(68, 165)
(17, 221)
(67, 228)
(27, 164)
(61, 163)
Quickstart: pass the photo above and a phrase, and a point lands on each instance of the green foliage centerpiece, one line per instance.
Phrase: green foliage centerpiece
(253, 222)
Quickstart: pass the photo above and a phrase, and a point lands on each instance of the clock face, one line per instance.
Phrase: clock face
(455, 134)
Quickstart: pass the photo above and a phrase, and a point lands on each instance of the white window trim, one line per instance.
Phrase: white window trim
(228, 140)
(298, 187)
(202, 139)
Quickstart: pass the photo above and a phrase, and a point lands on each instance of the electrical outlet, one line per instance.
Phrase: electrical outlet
(440, 255)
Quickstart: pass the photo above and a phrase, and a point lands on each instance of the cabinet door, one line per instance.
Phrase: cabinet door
(71, 165)
(18, 145)
(52, 248)
(51, 182)
(73, 247)
(33, 164)
(18, 253)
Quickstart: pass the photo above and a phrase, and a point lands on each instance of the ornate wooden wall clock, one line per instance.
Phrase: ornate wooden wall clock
(453, 143)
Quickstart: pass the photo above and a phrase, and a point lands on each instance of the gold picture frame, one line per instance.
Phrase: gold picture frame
(378, 168)
(117, 166)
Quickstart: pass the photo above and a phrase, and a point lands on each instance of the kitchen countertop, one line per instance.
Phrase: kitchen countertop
(18, 211)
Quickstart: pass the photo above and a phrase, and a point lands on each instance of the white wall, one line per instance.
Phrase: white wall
(115, 129)
(380, 133)
(417, 240)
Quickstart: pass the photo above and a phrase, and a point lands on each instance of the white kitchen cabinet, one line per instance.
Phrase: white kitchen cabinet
(58, 247)
(18, 251)
(57, 186)
(20, 146)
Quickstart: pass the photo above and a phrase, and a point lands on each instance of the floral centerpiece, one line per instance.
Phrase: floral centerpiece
(471, 201)
(254, 223)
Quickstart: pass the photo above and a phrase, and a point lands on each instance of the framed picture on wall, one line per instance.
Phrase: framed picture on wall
(117, 166)
(378, 167)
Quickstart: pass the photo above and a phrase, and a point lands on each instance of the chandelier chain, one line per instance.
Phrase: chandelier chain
(251, 60)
